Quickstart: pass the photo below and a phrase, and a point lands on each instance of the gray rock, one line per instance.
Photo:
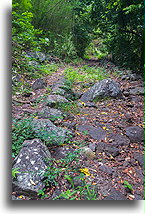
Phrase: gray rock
(45, 128)
(106, 169)
(130, 76)
(58, 91)
(60, 88)
(112, 150)
(95, 133)
(41, 57)
(100, 147)
(108, 149)
(104, 88)
(90, 104)
(92, 146)
(87, 152)
(135, 134)
(70, 125)
(118, 139)
(138, 197)
(115, 195)
(140, 158)
(62, 152)
(31, 163)
(54, 100)
(125, 77)
(56, 193)
(98, 133)
(39, 84)
(137, 91)
(50, 113)
(82, 128)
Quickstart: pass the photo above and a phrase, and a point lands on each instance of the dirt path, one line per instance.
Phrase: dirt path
(122, 161)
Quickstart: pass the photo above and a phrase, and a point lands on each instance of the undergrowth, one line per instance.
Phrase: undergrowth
(24, 130)
(77, 184)
(85, 74)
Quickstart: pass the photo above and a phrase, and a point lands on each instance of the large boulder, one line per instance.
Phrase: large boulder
(135, 134)
(31, 163)
(51, 133)
(54, 100)
(50, 113)
(103, 88)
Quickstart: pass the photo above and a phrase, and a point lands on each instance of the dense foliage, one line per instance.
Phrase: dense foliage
(66, 29)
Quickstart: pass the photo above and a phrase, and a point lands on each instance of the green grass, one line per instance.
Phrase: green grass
(85, 74)
(22, 86)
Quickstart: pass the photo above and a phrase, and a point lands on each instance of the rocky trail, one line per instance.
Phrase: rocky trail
(107, 131)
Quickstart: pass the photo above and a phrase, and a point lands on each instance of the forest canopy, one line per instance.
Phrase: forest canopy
(68, 29)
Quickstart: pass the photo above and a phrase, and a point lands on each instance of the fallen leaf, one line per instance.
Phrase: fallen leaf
(85, 171)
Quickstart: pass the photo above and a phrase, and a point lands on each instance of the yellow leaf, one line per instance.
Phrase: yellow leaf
(78, 133)
(104, 127)
(83, 103)
(104, 113)
(20, 196)
(85, 171)
(108, 104)
(36, 117)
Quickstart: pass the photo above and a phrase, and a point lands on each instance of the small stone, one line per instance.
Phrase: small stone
(92, 146)
(71, 125)
(140, 158)
(135, 134)
(119, 140)
(90, 104)
(98, 133)
(87, 152)
(62, 152)
(39, 84)
(138, 197)
(112, 150)
(115, 195)
(137, 91)
(106, 169)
